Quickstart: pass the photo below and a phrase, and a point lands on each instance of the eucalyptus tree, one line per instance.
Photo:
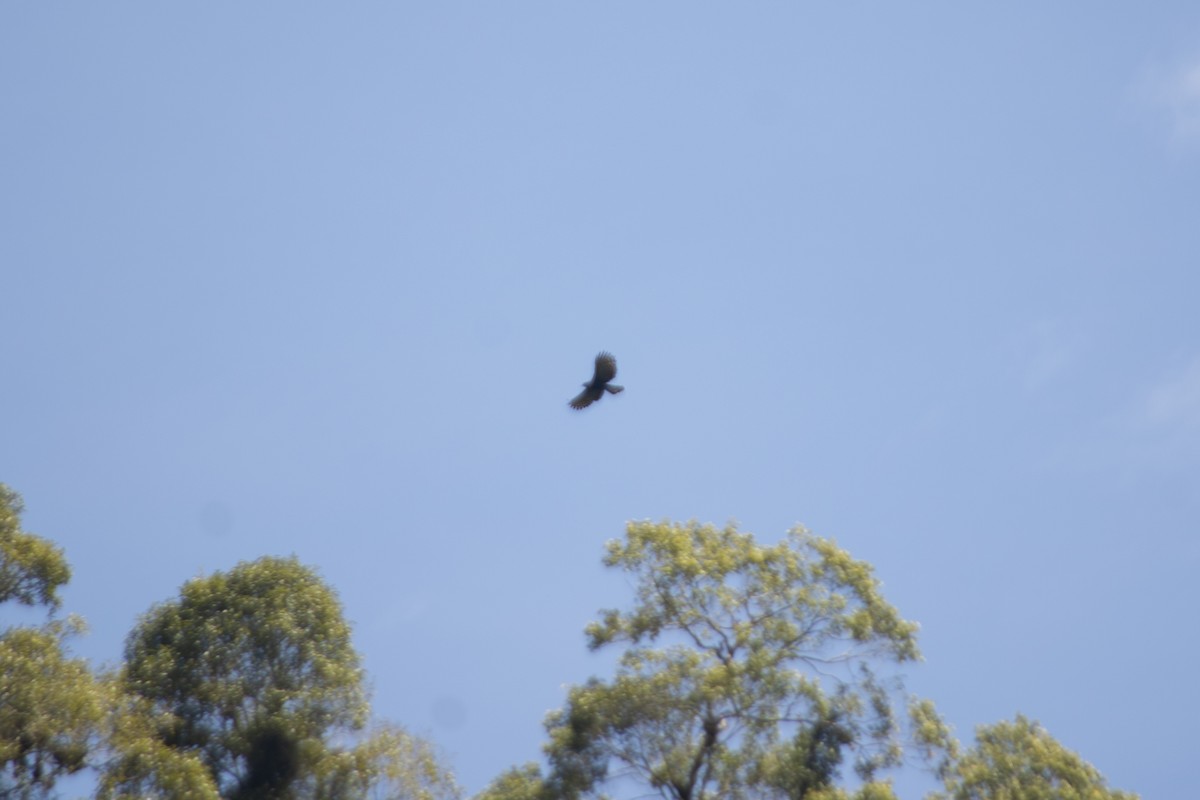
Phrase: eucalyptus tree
(747, 671)
(32, 569)
(252, 674)
(50, 706)
(1020, 760)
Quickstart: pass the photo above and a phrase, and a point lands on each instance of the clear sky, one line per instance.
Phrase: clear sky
(320, 278)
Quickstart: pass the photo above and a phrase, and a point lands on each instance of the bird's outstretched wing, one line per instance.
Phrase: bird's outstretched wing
(606, 368)
(593, 390)
(582, 400)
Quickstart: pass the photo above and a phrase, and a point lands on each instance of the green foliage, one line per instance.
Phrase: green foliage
(149, 769)
(1019, 760)
(747, 671)
(518, 783)
(31, 568)
(49, 710)
(391, 764)
(143, 766)
(249, 671)
(247, 687)
(727, 593)
(875, 790)
(49, 705)
(931, 734)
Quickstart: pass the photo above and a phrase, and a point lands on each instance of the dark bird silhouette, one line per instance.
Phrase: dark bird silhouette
(593, 390)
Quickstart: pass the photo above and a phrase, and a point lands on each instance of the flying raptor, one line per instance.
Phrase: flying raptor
(593, 390)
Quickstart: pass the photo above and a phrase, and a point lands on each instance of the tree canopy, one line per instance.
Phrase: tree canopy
(31, 568)
(252, 673)
(748, 671)
(50, 707)
(1019, 760)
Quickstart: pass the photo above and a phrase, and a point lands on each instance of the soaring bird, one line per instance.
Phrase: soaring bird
(593, 390)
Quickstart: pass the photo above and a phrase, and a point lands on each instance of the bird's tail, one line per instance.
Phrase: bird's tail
(611, 389)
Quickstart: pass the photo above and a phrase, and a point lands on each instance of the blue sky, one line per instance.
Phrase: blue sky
(300, 279)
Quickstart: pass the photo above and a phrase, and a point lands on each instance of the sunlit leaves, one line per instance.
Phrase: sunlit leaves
(1019, 760)
(49, 704)
(747, 670)
(49, 708)
(140, 764)
(518, 783)
(251, 675)
(246, 688)
(389, 764)
(31, 568)
(249, 670)
(723, 589)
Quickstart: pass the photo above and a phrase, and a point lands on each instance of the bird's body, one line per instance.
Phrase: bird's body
(593, 390)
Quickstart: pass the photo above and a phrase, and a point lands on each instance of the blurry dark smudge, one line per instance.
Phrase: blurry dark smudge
(215, 518)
